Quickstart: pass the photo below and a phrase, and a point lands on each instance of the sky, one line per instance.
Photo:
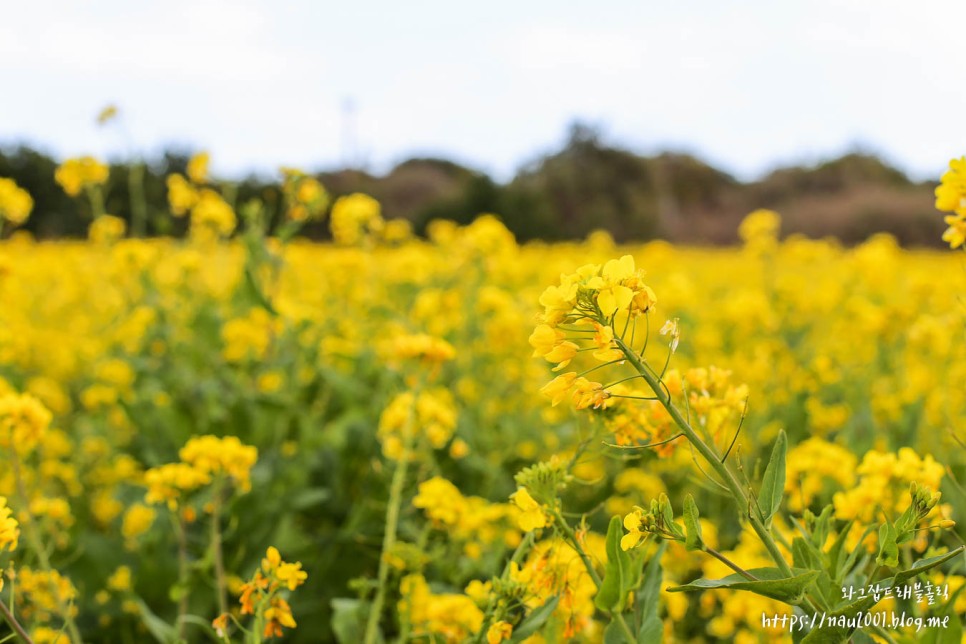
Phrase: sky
(746, 85)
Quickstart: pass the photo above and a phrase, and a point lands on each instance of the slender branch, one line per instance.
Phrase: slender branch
(604, 364)
(622, 380)
(728, 562)
(392, 525)
(14, 624)
(182, 574)
(672, 439)
(737, 431)
(221, 588)
(720, 468)
(610, 395)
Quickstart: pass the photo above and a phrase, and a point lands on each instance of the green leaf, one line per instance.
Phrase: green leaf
(692, 526)
(163, 632)
(255, 293)
(310, 497)
(648, 599)
(837, 634)
(820, 527)
(617, 573)
(349, 620)
(667, 512)
(614, 634)
(850, 560)
(771, 582)
(804, 556)
(923, 565)
(773, 481)
(537, 618)
(835, 552)
(888, 548)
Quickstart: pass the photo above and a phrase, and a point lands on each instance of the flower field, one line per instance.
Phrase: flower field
(242, 435)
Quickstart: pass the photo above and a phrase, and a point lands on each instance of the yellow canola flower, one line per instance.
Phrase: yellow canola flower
(137, 520)
(289, 575)
(73, 175)
(9, 527)
(169, 483)
(211, 217)
(421, 346)
(955, 235)
(47, 635)
(197, 169)
(498, 632)
(633, 523)
(212, 455)
(759, 229)
(452, 616)
(23, 422)
(353, 217)
(307, 198)
(951, 192)
(951, 197)
(532, 516)
(431, 415)
(120, 580)
(15, 202)
(106, 229)
(182, 196)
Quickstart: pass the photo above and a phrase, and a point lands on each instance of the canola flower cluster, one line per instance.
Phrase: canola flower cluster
(367, 406)
(951, 198)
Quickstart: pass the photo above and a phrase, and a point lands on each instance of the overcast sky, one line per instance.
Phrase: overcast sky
(746, 85)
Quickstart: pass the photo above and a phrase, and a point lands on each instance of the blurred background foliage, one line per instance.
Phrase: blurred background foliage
(586, 185)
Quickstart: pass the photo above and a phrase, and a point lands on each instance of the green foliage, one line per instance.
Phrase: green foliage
(620, 575)
(773, 481)
(770, 582)
(692, 526)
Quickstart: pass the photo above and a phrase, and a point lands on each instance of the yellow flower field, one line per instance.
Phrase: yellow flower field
(242, 436)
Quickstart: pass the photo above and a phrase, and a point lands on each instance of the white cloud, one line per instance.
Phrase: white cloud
(260, 83)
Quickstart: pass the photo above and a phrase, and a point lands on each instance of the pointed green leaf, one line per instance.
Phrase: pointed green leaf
(649, 600)
(820, 527)
(835, 552)
(163, 632)
(614, 633)
(804, 556)
(773, 481)
(692, 526)
(349, 619)
(770, 582)
(534, 621)
(923, 565)
(888, 548)
(616, 573)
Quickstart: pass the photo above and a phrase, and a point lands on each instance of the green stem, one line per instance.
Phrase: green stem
(709, 455)
(220, 585)
(392, 523)
(388, 542)
(96, 199)
(517, 556)
(36, 544)
(139, 205)
(728, 562)
(182, 575)
(14, 624)
(564, 527)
